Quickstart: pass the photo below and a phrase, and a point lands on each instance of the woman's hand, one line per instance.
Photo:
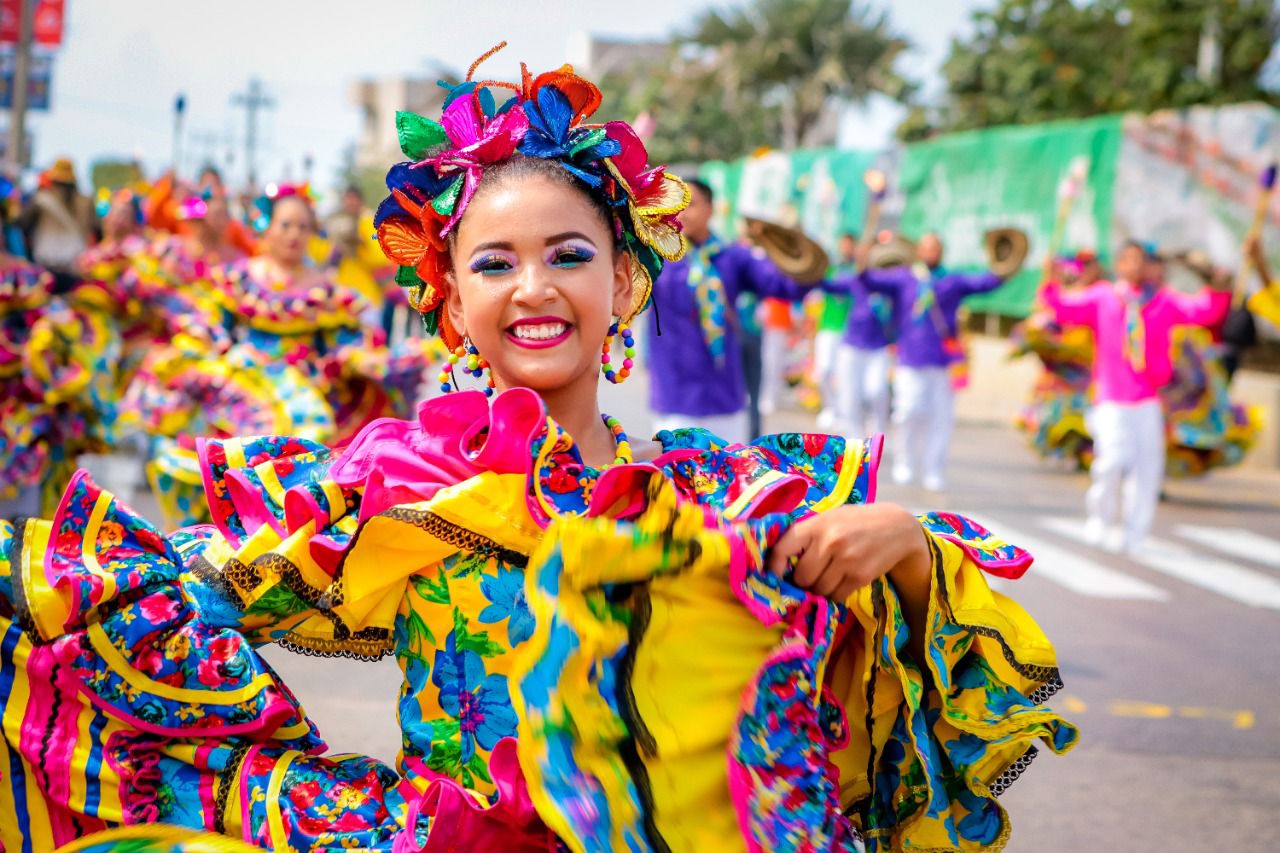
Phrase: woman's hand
(839, 551)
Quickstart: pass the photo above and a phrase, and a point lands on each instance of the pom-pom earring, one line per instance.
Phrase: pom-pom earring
(472, 362)
(628, 353)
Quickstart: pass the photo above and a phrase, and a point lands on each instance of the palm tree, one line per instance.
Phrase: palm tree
(802, 55)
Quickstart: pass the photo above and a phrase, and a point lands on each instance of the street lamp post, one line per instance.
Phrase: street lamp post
(21, 76)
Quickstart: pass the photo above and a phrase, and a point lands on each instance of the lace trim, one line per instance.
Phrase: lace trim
(1047, 678)
(22, 609)
(357, 647)
(366, 644)
(456, 535)
(229, 777)
(1011, 774)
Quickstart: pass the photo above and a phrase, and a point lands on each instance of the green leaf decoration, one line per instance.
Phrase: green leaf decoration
(431, 321)
(408, 277)
(279, 601)
(466, 565)
(445, 729)
(479, 768)
(418, 135)
(443, 203)
(478, 642)
(419, 636)
(445, 757)
(435, 591)
(595, 137)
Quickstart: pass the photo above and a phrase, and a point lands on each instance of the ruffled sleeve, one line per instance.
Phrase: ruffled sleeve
(111, 600)
(795, 473)
(798, 724)
(944, 740)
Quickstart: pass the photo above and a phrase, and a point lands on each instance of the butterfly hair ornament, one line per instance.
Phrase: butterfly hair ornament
(545, 117)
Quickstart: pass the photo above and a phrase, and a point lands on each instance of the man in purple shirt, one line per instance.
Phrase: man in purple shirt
(925, 299)
(862, 362)
(695, 366)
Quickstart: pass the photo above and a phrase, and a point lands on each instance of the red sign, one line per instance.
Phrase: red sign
(46, 21)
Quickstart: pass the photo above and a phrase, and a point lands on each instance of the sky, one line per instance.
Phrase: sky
(123, 62)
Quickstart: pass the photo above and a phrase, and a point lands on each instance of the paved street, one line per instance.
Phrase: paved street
(1170, 662)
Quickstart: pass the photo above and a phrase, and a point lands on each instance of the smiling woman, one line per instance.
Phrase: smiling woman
(718, 647)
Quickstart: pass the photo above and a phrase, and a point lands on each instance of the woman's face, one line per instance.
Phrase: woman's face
(536, 282)
(290, 229)
(119, 221)
(218, 217)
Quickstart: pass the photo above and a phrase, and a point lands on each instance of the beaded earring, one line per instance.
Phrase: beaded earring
(628, 353)
(472, 362)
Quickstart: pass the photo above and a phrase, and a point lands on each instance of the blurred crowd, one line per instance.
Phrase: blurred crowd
(138, 318)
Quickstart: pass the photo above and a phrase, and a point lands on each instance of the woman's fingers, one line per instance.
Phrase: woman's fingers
(787, 549)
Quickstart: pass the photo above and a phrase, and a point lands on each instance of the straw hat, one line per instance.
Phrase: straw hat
(795, 254)
(1006, 250)
(892, 250)
(62, 171)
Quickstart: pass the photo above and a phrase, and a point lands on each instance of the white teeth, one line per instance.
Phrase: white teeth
(540, 332)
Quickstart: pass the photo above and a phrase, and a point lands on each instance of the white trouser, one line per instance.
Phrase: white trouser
(732, 428)
(862, 390)
(826, 346)
(773, 366)
(1128, 467)
(924, 413)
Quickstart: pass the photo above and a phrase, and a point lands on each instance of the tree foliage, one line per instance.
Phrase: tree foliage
(766, 73)
(804, 56)
(698, 118)
(1036, 60)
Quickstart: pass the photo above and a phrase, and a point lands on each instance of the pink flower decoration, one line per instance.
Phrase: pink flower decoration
(208, 673)
(475, 142)
(158, 608)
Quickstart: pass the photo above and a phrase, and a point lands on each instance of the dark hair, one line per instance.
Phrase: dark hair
(352, 189)
(702, 187)
(211, 170)
(1136, 244)
(849, 235)
(521, 166)
(269, 206)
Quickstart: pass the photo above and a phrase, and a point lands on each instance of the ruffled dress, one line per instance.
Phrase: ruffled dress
(296, 361)
(1053, 419)
(592, 660)
(1204, 429)
(57, 391)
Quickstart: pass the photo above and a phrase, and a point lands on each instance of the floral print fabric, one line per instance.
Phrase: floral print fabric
(138, 649)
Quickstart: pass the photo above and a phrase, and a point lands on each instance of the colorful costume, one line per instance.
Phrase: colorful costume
(1132, 327)
(695, 367)
(863, 360)
(57, 396)
(542, 612)
(1203, 428)
(925, 303)
(1054, 417)
(302, 364)
(477, 547)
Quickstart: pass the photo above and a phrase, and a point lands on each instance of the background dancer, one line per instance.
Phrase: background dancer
(831, 324)
(1131, 322)
(696, 370)
(925, 300)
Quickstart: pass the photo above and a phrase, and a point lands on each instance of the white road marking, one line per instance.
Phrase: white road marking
(1239, 543)
(1071, 569)
(1207, 572)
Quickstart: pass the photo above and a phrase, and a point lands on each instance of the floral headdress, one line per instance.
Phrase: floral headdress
(263, 204)
(544, 118)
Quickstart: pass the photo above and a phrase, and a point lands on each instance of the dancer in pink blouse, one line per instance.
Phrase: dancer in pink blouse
(1131, 321)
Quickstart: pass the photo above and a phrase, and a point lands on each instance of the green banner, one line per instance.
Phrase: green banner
(963, 184)
(819, 189)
